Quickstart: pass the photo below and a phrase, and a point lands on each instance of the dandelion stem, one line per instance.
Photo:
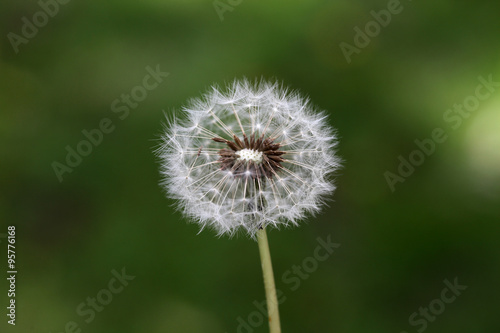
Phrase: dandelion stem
(267, 270)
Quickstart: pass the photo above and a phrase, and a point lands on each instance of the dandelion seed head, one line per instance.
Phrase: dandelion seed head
(250, 155)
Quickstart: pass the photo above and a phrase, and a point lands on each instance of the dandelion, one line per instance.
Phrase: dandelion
(256, 156)
(251, 157)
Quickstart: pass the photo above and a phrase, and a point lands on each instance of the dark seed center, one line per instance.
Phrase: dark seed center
(268, 166)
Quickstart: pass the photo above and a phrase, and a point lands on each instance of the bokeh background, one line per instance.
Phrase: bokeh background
(109, 213)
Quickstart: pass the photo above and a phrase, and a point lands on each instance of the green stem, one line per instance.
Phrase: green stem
(267, 270)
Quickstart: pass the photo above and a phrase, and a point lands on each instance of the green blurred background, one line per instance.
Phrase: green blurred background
(110, 213)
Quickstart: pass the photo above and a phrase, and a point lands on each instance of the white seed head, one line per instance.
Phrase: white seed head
(250, 156)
